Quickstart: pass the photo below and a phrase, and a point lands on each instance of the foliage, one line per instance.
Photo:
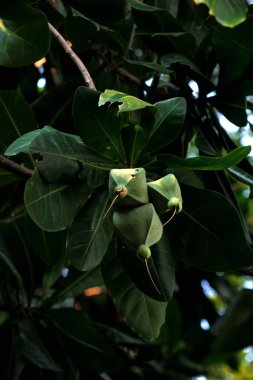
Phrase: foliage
(123, 208)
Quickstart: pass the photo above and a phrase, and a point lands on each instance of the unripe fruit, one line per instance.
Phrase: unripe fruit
(143, 252)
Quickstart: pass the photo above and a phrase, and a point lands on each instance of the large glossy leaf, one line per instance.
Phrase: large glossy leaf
(65, 158)
(24, 34)
(129, 103)
(169, 118)
(170, 59)
(33, 348)
(53, 206)
(22, 143)
(143, 315)
(49, 246)
(99, 127)
(82, 339)
(208, 233)
(206, 163)
(227, 12)
(151, 19)
(16, 117)
(158, 272)
(90, 233)
(77, 326)
(234, 50)
(75, 284)
(182, 42)
(77, 23)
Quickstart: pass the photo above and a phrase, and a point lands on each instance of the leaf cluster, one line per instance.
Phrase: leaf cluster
(75, 300)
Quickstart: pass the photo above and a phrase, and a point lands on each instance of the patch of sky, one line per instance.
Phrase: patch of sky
(204, 324)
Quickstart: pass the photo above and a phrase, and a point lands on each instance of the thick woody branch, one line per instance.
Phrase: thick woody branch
(14, 167)
(85, 73)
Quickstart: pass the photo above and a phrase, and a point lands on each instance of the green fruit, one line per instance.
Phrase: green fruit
(143, 252)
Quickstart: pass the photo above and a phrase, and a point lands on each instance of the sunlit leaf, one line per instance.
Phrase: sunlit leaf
(227, 12)
(206, 163)
(22, 144)
(129, 103)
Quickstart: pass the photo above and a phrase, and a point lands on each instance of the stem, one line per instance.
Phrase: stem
(124, 73)
(85, 73)
(14, 167)
(150, 276)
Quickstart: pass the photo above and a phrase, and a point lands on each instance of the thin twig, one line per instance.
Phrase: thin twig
(85, 73)
(14, 167)
(124, 73)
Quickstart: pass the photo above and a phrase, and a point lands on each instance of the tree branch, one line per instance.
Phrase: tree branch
(124, 73)
(85, 73)
(14, 167)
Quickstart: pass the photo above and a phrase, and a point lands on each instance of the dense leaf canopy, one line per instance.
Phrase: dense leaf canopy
(126, 215)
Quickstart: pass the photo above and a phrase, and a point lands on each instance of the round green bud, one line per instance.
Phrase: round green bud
(143, 252)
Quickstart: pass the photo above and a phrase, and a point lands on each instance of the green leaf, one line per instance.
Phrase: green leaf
(151, 19)
(22, 143)
(160, 266)
(143, 315)
(138, 226)
(7, 177)
(129, 103)
(75, 284)
(76, 23)
(81, 338)
(227, 12)
(65, 158)
(183, 42)
(168, 124)
(32, 347)
(16, 117)
(53, 206)
(49, 246)
(88, 117)
(80, 329)
(151, 65)
(24, 34)
(206, 163)
(202, 238)
(234, 50)
(174, 58)
(90, 234)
